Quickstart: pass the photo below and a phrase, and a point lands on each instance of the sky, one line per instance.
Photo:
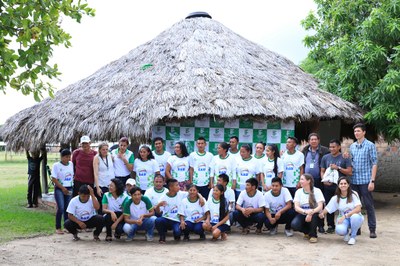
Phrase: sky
(121, 25)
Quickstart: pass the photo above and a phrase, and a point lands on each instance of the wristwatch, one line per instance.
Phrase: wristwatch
(372, 181)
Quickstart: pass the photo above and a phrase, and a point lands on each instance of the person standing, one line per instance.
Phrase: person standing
(335, 161)
(103, 169)
(160, 155)
(293, 163)
(224, 163)
(178, 165)
(200, 173)
(34, 190)
(82, 160)
(145, 168)
(364, 162)
(313, 153)
(273, 167)
(260, 156)
(233, 150)
(62, 176)
(123, 160)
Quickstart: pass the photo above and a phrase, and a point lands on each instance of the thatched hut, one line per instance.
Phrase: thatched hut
(196, 68)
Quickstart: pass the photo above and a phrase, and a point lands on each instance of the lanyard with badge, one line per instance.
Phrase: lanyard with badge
(313, 155)
(105, 162)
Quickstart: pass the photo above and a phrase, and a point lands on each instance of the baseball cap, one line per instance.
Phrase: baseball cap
(131, 182)
(85, 139)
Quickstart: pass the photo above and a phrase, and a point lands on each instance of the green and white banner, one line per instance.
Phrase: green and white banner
(216, 131)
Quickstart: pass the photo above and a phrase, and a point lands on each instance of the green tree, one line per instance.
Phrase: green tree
(29, 29)
(355, 54)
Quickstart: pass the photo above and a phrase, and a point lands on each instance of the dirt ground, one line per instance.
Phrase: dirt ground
(237, 250)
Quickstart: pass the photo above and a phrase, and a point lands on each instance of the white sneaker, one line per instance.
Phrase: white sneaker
(273, 231)
(149, 238)
(289, 232)
(352, 241)
(346, 238)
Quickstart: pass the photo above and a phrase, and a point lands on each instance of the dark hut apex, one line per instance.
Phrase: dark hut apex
(196, 68)
(199, 14)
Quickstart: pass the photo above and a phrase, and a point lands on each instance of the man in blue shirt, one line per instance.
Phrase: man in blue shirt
(364, 160)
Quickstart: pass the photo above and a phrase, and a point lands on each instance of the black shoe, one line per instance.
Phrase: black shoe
(372, 234)
(321, 230)
(202, 236)
(177, 238)
(117, 236)
(186, 238)
(29, 206)
(359, 232)
(330, 230)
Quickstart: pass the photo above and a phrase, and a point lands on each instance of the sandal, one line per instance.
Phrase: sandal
(59, 231)
(96, 239)
(108, 238)
(75, 238)
(224, 236)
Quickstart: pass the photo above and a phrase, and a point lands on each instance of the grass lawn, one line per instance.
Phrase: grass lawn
(17, 221)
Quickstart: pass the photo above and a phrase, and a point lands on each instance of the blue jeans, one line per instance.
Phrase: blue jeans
(204, 191)
(163, 224)
(147, 225)
(354, 222)
(62, 204)
(258, 218)
(196, 228)
(368, 203)
(329, 192)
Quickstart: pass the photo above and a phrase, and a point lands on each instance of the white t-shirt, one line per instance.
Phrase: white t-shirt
(172, 207)
(246, 169)
(82, 211)
(212, 206)
(246, 201)
(201, 164)
(292, 164)
(162, 160)
(229, 194)
(235, 155)
(114, 204)
(120, 168)
(191, 210)
(106, 170)
(226, 166)
(155, 195)
(136, 210)
(179, 167)
(276, 203)
(145, 172)
(64, 173)
(343, 206)
(302, 197)
(268, 170)
(261, 160)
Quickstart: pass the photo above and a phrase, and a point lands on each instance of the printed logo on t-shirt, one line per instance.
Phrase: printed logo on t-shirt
(173, 210)
(202, 167)
(142, 173)
(215, 218)
(245, 172)
(306, 206)
(195, 215)
(222, 170)
(68, 178)
(270, 174)
(161, 166)
(290, 167)
(84, 216)
(181, 167)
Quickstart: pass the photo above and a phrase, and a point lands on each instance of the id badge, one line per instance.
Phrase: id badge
(311, 165)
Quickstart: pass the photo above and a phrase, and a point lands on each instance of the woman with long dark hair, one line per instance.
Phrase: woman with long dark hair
(145, 168)
(112, 202)
(178, 165)
(217, 221)
(348, 203)
(224, 163)
(273, 167)
(308, 202)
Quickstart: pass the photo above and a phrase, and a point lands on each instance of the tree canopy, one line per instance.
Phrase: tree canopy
(28, 32)
(355, 54)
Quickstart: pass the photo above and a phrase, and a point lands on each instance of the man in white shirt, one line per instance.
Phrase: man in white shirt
(160, 155)
(250, 207)
(233, 143)
(200, 162)
(278, 207)
(293, 162)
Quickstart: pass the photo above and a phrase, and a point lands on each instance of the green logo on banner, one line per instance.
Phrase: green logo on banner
(172, 133)
(245, 123)
(189, 146)
(213, 147)
(259, 135)
(201, 132)
(187, 123)
(286, 134)
(229, 132)
(216, 123)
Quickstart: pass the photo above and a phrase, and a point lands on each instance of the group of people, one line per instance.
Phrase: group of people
(200, 192)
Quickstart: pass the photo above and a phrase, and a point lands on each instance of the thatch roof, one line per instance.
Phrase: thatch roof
(198, 67)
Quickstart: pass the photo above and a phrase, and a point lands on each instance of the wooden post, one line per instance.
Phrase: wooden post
(45, 182)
